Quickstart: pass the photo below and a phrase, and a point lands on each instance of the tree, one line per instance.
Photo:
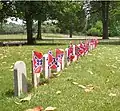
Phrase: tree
(100, 11)
(6, 10)
(114, 18)
(105, 13)
(26, 14)
(67, 15)
(40, 15)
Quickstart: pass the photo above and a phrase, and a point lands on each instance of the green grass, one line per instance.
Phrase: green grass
(24, 36)
(13, 36)
(103, 62)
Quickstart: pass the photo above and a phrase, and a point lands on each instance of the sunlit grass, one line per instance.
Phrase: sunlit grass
(100, 68)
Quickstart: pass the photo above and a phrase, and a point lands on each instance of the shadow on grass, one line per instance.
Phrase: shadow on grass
(39, 44)
(9, 93)
(49, 44)
(30, 87)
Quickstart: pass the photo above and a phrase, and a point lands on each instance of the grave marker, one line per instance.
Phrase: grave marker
(63, 61)
(46, 69)
(67, 61)
(20, 78)
(75, 56)
(58, 67)
(37, 62)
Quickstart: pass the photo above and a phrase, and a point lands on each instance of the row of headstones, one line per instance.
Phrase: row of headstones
(20, 76)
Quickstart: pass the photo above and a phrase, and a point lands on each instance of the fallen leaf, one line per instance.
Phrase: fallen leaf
(114, 66)
(75, 83)
(107, 65)
(89, 54)
(50, 108)
(2, 57)
(11, 70)
(90, 101)
(58, 92)
(81, 86)
(28, 98)
(55, 73)
(45, 84)
(5, 56)
(107, 80)
(113, 71)
(4, 62)
(112, 94)
(90, 72)
(118, 60)
(58, 75)
(87, 90)
(11, 67)
(16, 103)
(38, 108)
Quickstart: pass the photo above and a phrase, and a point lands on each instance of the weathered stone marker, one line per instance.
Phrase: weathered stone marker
(75, 56)
(67, 61)
(58, 67)
(36, 79)
(46, 69)
(63, 61)
(20, 78)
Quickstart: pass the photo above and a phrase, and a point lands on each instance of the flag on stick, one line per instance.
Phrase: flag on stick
(37, 62)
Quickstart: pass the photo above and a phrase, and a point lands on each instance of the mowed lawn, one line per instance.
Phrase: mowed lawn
(24, 36)
(100, 69)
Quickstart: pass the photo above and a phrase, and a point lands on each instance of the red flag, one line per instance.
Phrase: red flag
(70, 53)
(81, 48)
(52, 63)
(59, 55)
(37, 62)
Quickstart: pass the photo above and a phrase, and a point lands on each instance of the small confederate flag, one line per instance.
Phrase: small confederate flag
(77, 50)
(70, 53)
(59, 55)
(37, 61)
(52, 62)
(81, 48)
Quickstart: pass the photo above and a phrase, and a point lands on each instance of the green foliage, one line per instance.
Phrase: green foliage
(1, 5)
(50, 28)
(12, 29)
(114, 18)
(114, 30)
(96, 30)
(69, 15)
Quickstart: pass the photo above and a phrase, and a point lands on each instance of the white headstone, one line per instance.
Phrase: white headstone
(20, 78)
(36, 79)
(74, 50)
(46, 69)
(63, 62)
(75, 56)
(58, 67)
(67, 61)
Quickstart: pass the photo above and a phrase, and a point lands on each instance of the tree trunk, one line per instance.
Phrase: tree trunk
(71, 30)
(29, 23)
(105, 7)
(39, 35)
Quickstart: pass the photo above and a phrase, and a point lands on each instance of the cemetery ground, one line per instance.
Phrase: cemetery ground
(90, 84)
